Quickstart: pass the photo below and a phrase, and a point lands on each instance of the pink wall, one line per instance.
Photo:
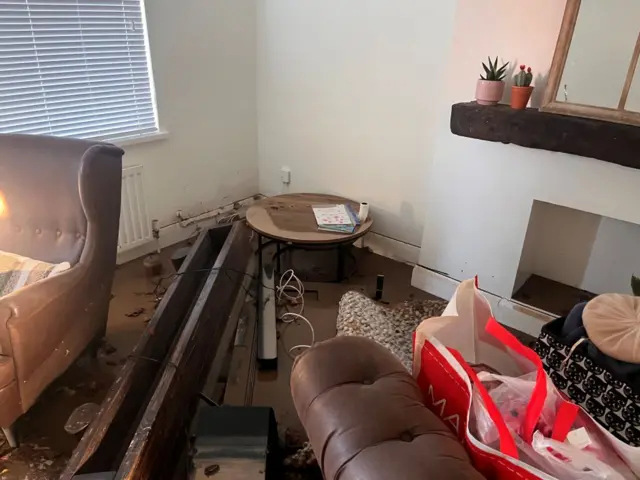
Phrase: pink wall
(515, 31)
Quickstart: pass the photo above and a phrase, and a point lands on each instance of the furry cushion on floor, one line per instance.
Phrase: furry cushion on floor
(391, 327)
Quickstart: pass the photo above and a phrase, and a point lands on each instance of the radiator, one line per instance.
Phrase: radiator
(135, 228)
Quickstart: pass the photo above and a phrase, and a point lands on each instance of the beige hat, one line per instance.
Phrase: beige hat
(612, 322)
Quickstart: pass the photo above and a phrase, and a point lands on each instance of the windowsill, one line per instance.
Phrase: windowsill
(146, 138)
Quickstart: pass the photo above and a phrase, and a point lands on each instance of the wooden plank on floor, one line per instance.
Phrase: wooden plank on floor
(245, 302)
(242, 371)
(101, 447)
(163, 430)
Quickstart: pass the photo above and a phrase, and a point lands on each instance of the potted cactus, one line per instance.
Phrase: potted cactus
(521, 90)
(490, 86)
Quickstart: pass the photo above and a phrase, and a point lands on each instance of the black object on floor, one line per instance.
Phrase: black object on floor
(236, 442)
(379, 287)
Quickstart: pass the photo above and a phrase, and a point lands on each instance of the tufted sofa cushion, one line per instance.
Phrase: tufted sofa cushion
(365, 417)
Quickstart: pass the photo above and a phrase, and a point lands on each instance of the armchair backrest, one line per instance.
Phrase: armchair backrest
(51, 187)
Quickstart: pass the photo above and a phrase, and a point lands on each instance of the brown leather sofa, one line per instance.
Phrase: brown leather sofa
(62, 200)
(365, 416)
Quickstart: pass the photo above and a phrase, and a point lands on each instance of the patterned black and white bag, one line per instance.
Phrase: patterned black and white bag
(610, 402)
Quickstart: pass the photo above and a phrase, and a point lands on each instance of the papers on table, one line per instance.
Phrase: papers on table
(336, 218)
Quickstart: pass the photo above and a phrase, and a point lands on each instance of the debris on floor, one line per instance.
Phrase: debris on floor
(30, 462)
(81, 417)
(293, 438)
(45, 446)
(67, 391)
(299, 462)
(89, 388)
(107, 348)
(211, 470)
(302, 458)
(135, 313)
(143, 294)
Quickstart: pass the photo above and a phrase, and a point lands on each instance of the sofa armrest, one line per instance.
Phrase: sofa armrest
(39, 316)
(365, 417)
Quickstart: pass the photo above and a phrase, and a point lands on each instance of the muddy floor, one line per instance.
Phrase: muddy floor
(45, 446)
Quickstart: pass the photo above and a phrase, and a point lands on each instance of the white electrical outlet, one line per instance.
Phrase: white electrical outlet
(285, 175)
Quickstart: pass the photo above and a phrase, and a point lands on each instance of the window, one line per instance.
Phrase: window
(75, 68)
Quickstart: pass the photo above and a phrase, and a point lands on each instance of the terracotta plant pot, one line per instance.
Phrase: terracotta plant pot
(489, 92)
(520, 97)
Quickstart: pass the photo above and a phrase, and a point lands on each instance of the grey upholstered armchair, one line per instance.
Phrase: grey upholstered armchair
(61, 204)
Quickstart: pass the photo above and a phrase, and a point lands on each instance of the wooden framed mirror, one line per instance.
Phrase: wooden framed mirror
(593, 73)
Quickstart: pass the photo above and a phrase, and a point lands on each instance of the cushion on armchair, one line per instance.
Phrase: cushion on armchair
(17, 271)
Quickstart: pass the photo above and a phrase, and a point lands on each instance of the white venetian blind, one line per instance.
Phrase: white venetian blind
(75, 68)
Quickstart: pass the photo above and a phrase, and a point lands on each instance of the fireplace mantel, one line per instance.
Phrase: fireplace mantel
(607, 141)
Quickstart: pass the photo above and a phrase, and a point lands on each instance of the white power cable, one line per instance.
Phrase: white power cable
(292, 320)
(286, 283)
(283, 285)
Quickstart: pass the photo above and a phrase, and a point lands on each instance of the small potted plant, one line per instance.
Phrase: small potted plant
(521, 90)
(490, 86)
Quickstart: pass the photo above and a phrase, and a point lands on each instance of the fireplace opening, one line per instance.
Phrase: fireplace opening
(570, 256)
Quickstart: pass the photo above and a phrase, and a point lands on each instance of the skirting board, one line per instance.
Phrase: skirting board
(175, 233)
(508, 312)
(390, 248)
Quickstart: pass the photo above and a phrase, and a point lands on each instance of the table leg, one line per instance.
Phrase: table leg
(279, 269)
(259, 281)
(340, 269)
(10, 435)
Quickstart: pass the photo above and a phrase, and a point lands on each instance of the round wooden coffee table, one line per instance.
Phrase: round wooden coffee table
(288, 219)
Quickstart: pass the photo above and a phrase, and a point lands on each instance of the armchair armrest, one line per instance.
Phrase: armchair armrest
(5, 343)
(40, 314)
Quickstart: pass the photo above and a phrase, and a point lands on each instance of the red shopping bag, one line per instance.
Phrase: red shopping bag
(446, 379)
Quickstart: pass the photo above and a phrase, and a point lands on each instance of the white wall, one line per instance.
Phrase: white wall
(600, 53)
(615, 256)
(587, 251)
(347, 96)
(203, 55)
(479, 194)
(558, 244)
